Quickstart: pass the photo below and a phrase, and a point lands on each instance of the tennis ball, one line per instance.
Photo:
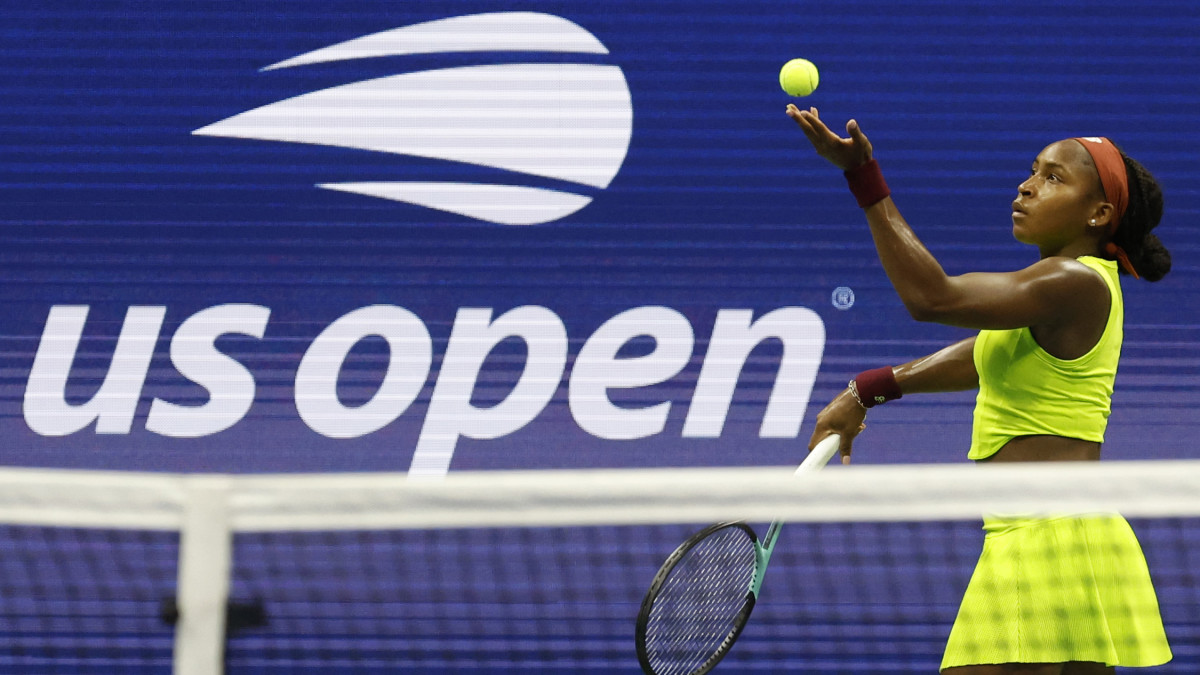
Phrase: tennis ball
(799, 77)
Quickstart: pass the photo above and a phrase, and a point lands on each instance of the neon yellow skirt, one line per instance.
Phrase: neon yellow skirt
(1059, 589)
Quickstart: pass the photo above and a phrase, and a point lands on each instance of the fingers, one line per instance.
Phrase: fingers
(810, 121)
(847, 445)
(811, 132)
(845, 153)
(793, 111)
(827, 427)
(814, 121)
(858, 137)
(802, 118)
(856, 132)
(819, 434)
(844, 448)
(805, 118)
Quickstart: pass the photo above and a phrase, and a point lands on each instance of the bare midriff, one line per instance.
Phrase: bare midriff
(1046, 449)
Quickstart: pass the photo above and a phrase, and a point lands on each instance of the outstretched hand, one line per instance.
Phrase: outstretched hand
(844, 153)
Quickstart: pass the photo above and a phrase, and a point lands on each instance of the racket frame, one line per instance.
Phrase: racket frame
(739, 620)
(817, 459)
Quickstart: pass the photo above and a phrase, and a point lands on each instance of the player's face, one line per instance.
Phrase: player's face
(1054, 204)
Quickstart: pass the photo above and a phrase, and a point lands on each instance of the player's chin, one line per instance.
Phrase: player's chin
(1019, 231)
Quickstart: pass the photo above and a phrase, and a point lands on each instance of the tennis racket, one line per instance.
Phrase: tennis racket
(702, 596)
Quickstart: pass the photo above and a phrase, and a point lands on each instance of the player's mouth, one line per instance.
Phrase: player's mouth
(1018, 211)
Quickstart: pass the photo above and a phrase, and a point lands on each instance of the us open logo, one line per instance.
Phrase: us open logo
(567, 121)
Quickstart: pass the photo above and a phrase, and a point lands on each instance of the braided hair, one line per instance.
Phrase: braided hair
(1146, 252)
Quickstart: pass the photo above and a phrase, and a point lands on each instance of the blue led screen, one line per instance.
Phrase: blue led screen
(383, 236)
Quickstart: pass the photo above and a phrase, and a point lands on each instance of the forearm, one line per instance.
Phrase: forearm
(916, 275)
(950, 369)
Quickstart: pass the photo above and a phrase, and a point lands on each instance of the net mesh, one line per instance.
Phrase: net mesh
(85, 600)
(545, 572)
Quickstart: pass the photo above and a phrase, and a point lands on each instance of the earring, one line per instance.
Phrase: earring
(1093, 221)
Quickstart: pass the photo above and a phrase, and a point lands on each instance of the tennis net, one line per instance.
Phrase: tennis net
(527, 572)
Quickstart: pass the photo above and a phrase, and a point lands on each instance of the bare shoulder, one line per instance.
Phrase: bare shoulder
(1083, 304)
(1067, 276)
(1072, 289)
(1079, 292)
(1062, 264)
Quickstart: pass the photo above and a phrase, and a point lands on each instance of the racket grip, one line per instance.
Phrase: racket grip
(820, 455)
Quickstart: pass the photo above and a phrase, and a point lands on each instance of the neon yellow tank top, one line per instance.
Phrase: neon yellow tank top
(1024, 391)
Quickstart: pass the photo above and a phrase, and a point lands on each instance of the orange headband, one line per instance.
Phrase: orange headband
(1115, 181)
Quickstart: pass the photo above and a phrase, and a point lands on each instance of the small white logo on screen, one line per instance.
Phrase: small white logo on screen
(843, 297)
(567, 121)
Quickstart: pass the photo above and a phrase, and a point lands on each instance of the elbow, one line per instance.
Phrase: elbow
(926, 310)
(922, 314)
(934, 303)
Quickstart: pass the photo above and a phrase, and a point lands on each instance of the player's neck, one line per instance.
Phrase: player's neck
(1075, 249)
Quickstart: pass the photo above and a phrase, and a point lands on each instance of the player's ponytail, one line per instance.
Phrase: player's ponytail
(1146, 252)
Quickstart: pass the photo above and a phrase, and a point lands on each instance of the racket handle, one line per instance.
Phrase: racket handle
(820, 455)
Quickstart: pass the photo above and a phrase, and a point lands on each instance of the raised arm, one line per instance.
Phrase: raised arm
(1052, 291)
(949, 369)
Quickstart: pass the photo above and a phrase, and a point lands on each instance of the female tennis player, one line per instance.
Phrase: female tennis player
(1050, 595)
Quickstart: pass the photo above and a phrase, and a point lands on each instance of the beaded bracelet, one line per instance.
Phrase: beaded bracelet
(853, 387)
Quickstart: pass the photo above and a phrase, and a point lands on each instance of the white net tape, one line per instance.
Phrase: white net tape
(614, 497)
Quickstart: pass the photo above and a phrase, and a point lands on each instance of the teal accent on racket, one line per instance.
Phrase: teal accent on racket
(815, 461)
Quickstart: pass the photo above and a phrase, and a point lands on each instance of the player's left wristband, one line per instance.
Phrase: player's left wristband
(867, 184)
(872, 387)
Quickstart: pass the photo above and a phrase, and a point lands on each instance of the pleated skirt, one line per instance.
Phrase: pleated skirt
(1059, 589)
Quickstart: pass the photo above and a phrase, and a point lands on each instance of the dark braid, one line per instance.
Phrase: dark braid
(1148, 255)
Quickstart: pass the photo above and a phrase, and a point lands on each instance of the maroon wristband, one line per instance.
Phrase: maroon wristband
(867, 184)
(876, 386)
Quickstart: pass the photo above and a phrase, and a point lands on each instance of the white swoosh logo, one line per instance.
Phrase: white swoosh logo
(570, 122)
(498, 32)
(503, 204)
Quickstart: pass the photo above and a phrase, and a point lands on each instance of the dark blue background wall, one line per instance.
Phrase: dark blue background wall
(108, 200)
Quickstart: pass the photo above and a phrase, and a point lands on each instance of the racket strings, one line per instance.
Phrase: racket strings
(698, 605)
